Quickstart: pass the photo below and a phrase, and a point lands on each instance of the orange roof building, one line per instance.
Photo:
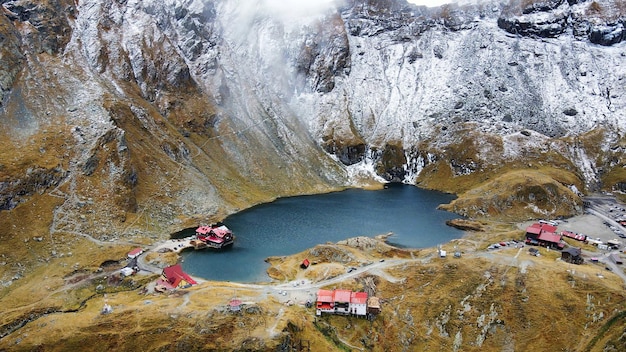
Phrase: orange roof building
(342, 302)
(177, 278)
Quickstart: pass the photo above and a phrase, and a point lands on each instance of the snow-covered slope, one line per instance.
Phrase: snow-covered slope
(288, 97)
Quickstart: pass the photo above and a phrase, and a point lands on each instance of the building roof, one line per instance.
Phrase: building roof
(221, 231)
(358, 298)
(537, 228)
(549, 237)
(234, 302)
(324, 296)
(342, 295)
(548, 228)
(135, 252)
(574, 252)
(373, 302)
(175, 275)
(203, 230)
(534, 229)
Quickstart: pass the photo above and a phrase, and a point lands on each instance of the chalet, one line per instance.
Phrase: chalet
(135, 253)
(305, 264)
(175, 277)
(358, 303)
(543, 235)
(572, 255)
(346, 302)
(216, 236)
(550, 239)
(341, 298)
(533, 231)
(325, 302)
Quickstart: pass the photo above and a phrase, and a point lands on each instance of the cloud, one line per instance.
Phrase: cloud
(431, 3)
(297, 8)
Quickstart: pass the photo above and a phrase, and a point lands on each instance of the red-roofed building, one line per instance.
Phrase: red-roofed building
(358, 303)
(215, 236)
(544, 235)
(342, 301)
(305, 264)
(576, 236)
(177, 278)
(234, 305)
(550, 239)
(533, 231)
(135, 253)
(324, 302)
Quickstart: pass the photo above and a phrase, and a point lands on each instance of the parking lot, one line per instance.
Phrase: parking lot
(599, 221)
(606, 208)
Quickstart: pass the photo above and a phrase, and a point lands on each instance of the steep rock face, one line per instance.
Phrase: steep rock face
(12, 57)
(221, 104)
(598, 22)
(142, 134)
(435, 77)
(45, 24)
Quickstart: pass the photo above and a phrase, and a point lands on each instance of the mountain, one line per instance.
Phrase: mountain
(125, 120)
(170, 109)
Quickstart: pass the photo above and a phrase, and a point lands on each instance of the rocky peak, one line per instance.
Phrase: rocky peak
(45, 24)
(311, 95)
(600, 22)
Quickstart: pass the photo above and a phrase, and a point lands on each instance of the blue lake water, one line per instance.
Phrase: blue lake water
(291, 225)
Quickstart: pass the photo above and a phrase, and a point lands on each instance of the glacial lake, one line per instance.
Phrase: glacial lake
(291, 225)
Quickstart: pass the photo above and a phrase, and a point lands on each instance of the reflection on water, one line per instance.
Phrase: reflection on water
(291, 225)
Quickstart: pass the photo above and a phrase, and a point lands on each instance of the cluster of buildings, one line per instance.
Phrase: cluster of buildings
(545, 234)
(216, 236)
(347, 302)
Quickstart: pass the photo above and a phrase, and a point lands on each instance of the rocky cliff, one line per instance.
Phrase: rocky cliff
(129, 114)
(125, 120)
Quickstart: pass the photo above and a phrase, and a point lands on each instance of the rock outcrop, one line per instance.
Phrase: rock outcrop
(218, 105)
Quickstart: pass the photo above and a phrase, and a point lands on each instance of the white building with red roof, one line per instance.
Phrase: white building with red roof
(135, 253)
(324, 302)
(341, 298)
(342, 302)
(358, 303)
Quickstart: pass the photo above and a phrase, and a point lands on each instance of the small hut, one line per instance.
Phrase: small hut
(572, 255)
(305, 264)
(358, 303)
(135, 253)
(234, 305)
(373, 305)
